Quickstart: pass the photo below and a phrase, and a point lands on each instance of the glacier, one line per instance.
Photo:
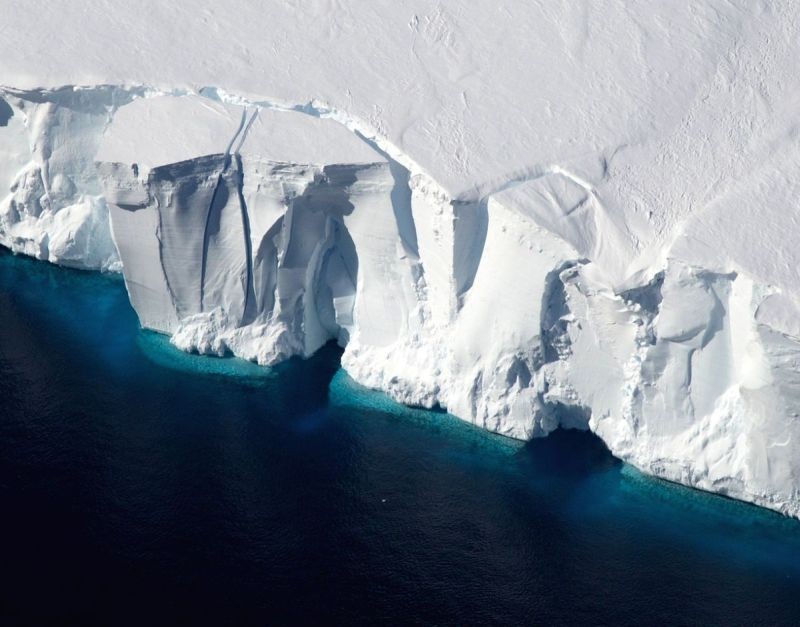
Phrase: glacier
(591, 227)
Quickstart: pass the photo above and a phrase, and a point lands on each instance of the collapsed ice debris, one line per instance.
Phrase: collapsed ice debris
(267, 233)
(53, 207)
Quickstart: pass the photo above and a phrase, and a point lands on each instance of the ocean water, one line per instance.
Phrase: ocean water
(143, 486)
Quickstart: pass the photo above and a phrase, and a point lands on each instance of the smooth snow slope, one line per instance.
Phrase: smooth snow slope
(532, 214)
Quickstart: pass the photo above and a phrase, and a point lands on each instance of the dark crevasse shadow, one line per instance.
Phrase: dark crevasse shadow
(6, 112)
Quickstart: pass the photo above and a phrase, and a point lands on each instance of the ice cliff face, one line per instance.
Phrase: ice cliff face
(608, 244)
(265, 233)
(253, 231)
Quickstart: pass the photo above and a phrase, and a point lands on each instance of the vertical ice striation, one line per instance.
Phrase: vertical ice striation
(270, 232)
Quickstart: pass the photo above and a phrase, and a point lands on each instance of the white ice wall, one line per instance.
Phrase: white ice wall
(266, 233)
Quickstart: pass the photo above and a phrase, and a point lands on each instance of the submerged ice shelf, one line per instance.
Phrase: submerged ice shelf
(619, 257)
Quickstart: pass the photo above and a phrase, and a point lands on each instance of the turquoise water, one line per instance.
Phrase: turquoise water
(141, 484)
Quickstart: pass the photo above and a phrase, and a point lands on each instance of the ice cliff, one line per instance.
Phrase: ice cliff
(593, 228)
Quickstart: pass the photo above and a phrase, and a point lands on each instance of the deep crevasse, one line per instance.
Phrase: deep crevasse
(263, 232)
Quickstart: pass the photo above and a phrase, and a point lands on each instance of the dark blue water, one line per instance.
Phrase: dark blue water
(143, 486)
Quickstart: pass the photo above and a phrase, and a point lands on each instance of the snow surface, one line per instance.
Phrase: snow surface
(532, 214)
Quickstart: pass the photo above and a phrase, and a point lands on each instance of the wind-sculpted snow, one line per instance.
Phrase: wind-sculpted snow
(552, 215)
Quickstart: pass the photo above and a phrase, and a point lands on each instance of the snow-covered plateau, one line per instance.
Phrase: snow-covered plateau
(532, 214)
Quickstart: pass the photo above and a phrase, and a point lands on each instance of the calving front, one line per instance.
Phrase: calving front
(266, 233)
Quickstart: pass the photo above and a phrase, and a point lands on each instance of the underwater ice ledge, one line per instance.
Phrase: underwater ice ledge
(266, 233)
